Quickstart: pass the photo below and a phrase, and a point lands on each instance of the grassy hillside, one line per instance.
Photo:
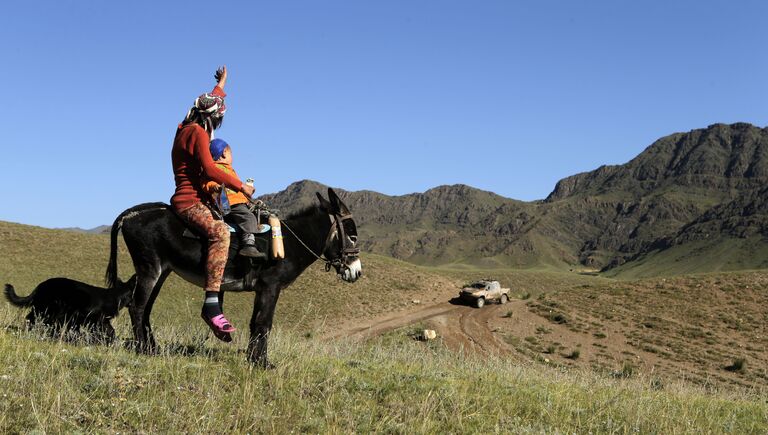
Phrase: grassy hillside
(707, 183)
(390, 384)
(722, 254)
(709, 329)
(317, 299)
(385, 386)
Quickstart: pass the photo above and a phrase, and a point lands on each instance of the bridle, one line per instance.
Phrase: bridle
(347, 247)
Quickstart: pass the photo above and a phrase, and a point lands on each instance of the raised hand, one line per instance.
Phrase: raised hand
(221, 76)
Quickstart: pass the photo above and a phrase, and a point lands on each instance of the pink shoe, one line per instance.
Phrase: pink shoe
(220, 326)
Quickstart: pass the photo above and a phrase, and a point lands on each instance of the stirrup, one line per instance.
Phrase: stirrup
(251, 251)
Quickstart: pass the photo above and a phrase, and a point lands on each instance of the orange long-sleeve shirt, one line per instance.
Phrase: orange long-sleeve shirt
(234, 197)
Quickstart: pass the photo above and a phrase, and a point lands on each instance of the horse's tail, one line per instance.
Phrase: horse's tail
(111, 276)
(15, 299)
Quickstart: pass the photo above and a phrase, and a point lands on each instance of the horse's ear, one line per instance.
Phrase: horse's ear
(324, 202)
(338, 205)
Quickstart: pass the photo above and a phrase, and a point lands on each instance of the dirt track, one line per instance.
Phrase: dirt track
(653, 327)
(460, 327)
(463, 328)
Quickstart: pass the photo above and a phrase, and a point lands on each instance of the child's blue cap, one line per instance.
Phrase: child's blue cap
(217, 148)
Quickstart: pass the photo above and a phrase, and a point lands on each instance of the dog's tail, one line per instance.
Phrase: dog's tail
(15, 299)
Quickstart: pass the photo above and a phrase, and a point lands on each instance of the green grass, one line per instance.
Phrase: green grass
(316, 299)
(391, 385)
(719, 255)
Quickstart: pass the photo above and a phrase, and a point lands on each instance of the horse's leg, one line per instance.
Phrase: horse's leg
(261, 324)
(150, 304)
(146, 278)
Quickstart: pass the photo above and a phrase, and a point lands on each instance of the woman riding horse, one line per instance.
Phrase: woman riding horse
(192, 161)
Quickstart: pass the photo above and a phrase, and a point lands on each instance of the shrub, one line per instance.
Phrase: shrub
(657, 384)
(558, 318)
(627, 370)
(574, 354)
(737, 365)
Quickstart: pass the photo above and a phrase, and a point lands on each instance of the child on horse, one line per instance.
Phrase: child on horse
(239, 215)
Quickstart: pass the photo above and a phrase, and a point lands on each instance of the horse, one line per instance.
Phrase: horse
(153, 234)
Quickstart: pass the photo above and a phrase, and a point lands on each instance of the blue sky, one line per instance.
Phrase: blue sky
(391, 96)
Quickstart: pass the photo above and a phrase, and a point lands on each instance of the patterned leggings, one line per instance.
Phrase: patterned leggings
(200, 218)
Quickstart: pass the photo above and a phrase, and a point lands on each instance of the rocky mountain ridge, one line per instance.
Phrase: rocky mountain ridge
(704, 185)
(597, 219)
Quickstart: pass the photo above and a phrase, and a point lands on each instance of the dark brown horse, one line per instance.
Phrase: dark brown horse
(154, 236)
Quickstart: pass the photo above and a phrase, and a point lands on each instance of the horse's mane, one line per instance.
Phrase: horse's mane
(307, 211)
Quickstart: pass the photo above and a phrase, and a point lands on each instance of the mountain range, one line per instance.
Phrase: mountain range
(690, 202)
(704, 189)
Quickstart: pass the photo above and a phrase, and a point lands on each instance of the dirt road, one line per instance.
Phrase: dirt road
(460, 327)
(619, 330)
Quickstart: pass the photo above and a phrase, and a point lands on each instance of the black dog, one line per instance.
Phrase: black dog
(65, 303)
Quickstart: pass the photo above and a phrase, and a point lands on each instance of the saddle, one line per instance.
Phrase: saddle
(262, 239)
(262, 236)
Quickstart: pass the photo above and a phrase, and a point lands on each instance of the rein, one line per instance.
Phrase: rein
(345, 249)
(319, 257)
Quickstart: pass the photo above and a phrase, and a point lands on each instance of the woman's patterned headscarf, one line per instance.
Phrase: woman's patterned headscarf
(208, 111)
(211, 104)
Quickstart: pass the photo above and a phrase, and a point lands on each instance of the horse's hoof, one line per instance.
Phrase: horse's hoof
(267, 366)
(264, 364)
(140, 348)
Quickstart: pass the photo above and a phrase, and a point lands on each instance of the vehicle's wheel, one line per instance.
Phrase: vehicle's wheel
(503, 299)
(480, 302)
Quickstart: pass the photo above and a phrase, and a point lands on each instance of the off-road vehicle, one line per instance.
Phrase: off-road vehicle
(480, 292)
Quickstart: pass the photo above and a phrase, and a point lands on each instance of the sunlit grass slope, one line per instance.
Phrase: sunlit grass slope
(392, 384)
(718, 255)
(30, 255)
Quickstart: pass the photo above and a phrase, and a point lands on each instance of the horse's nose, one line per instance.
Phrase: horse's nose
(359, 273)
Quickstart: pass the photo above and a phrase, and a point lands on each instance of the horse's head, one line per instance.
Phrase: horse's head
(341, 246)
